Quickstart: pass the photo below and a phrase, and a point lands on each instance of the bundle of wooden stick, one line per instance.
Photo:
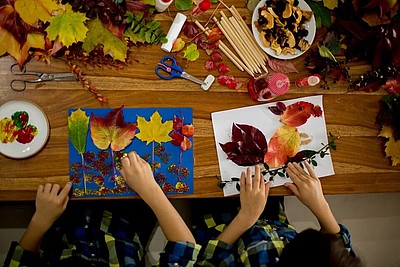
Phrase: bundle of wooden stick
(251, 58)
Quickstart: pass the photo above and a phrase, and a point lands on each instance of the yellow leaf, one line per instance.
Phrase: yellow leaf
(154, 130)
(8, 44)
(392, 147)
(32, 11)
(331, 4)
(178, 45)
(283, 144)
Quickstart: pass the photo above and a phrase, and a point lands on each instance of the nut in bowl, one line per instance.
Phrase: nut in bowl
(284, 29)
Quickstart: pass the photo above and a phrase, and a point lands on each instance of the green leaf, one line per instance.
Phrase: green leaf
(238, 187)
(235, 179)
(191, 53)
(147, 36)
(153, 25)
(163, 40)
(139, 16)
(321, 13)
(325, 52)
(68, 26)
(183, 4)
(78, 125)
(314, 163)
(112, 45)
(281, 174)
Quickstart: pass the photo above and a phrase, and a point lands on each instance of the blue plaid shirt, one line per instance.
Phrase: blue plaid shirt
(261, 245)
(99, 242)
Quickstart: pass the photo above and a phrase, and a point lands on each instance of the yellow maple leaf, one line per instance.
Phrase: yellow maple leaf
(392, 147)
(32, 11)
(154, 129)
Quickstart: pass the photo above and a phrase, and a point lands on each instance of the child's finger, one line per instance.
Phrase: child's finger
(310, 170)
(257, 178)
(248, 179)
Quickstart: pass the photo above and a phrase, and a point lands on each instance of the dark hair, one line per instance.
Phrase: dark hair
(312, 248)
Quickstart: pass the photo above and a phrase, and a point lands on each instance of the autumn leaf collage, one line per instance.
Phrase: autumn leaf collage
(99, 137)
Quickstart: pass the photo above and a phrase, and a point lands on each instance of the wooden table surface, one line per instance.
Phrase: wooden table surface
(359, 161)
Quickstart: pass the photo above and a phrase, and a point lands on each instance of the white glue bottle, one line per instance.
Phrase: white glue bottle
(174, 31)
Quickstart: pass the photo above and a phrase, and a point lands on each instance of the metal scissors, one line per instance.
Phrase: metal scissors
(20, 84)
(166, 71)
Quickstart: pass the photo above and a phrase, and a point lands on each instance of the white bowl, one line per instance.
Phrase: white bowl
(310, 26)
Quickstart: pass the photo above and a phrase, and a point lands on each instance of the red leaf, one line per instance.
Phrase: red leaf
(214, 36)
(186, 144)
(278, 109)
(188, 130)
(297, 114)
(247, 147)
(392, 86)
(223, 68)
(210, 65)
(177, 138)
(283, 66)
(316, 111)
(190, 29)
(216, 56)
(177, 123)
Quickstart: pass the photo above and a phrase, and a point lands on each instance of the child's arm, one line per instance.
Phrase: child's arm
(307, 188)
(253, 198)
(138, 175)
(50, 204)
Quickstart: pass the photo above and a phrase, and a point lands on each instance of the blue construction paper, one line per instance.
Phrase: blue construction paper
(101, 184)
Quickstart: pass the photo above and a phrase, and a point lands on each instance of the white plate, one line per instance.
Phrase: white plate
(310, 26)
(37, 118)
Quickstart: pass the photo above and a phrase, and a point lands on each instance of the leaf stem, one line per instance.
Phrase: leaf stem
(83, 173)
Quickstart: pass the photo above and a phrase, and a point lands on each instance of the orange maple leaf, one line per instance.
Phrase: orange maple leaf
(283, 144)
(112, 130)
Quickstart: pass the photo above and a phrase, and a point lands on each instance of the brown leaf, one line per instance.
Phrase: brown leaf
(283, 66)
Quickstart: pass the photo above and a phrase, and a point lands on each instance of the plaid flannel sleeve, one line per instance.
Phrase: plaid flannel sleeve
(344, 234)
(179, 254)
(17, 256)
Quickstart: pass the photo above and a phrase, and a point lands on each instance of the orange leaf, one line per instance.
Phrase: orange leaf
(297, 114)
(112, 130)
(392, 146)
(283, 144)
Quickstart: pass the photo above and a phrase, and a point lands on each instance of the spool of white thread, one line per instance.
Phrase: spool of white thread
(162, 5)
(174, 31)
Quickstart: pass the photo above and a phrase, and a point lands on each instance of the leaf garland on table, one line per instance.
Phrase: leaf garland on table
(95, 33)
(248, 145)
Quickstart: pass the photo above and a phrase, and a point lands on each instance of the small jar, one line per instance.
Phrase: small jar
(162, 5)
(268, 86)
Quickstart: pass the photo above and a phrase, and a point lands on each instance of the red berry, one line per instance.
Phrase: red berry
(205, 5)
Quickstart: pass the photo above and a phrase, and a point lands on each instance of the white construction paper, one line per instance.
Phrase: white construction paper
(261, 117)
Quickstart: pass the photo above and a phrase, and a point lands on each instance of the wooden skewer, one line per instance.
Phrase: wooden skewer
(235, 60)
(230, 35)
(242, 40)
(259, 59)
(238, 51)
(246, 29)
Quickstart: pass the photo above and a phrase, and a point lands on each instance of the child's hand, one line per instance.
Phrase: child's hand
(253, 195)
(50, 204)
(306, 186)
(138, 175)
